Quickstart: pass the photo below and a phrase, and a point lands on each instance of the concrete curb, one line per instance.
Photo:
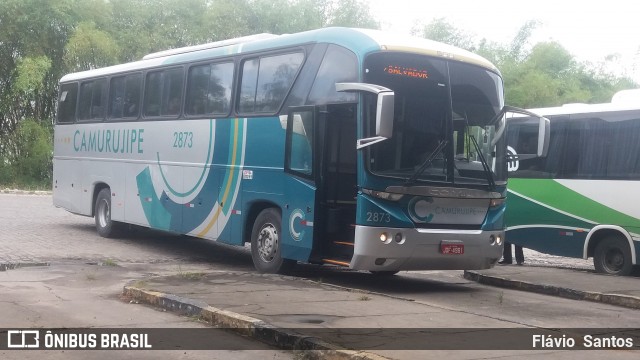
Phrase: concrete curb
(632, 302)
(247, 326)
(25, 192)
(12, 266)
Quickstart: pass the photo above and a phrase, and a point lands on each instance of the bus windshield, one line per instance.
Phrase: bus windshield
(444, 128)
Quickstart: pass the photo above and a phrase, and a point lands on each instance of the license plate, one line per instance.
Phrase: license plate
(452, 249)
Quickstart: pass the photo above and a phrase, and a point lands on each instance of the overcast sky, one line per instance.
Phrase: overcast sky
(590, 30)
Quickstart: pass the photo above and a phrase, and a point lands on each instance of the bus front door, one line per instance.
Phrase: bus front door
(301, 163)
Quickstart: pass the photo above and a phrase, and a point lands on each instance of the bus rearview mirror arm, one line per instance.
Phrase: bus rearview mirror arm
(384, 110)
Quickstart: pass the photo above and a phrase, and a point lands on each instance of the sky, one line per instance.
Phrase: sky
(590, 30)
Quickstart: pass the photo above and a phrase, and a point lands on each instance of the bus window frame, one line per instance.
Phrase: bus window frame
(105, 99)
(180, 113)
(259, 55)
(234, 80)
(314, 148)
(142, 83)
(74, 119)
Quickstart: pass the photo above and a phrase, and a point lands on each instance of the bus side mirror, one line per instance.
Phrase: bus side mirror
(384, 110)
(544, 133)
(532, 134)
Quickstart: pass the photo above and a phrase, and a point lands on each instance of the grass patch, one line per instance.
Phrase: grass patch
(140, 284)
(364, 298)
(191, 275)
(109, 262)
(26, 186)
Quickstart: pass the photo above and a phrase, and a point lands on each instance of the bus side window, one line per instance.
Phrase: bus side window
(116, 97)
(338, 65)
(163, 92)
(133, 85)
(92, 97)
(124, 96)
(209, 89)
(300, 142)
(172, 92)
(266, 82)
(274, 80)
(67, 103)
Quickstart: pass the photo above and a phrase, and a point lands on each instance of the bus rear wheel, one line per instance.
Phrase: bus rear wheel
(102, 213)
(613, 256)
(266, 243)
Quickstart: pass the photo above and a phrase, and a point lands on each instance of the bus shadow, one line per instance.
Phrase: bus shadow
(176, 247)
(187, 248)
(401, 284)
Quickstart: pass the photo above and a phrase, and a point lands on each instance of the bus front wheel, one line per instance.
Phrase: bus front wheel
(266, 243)
(613, 256)
(105, 226)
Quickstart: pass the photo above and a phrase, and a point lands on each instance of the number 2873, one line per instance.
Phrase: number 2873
(378, 217)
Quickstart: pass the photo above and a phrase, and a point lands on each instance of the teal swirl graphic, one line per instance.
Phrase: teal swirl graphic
(420, 209)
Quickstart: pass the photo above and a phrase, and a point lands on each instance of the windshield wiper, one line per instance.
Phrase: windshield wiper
(427, 162)
(483, 161)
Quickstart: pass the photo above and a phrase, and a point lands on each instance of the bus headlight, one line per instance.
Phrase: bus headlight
(496, 202)
(495, 240)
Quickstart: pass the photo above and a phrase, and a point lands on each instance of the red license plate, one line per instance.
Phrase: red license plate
(452, 249)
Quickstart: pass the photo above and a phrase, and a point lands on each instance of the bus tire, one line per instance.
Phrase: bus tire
(266, 243)
(612, 256)
(102, 213)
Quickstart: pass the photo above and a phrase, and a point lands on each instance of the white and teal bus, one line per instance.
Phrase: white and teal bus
(334, 146)
(582, 199)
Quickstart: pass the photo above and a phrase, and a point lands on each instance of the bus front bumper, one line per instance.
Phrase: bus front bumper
(425, 249)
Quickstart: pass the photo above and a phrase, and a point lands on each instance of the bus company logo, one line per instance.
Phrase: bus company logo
(420, 209)
(23, 339)
(296, 223)
(512, 163)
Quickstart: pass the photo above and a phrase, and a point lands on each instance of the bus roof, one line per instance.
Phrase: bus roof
(569, 109)
(360, 41)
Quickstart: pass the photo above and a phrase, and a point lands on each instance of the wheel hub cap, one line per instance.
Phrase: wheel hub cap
(268, 242)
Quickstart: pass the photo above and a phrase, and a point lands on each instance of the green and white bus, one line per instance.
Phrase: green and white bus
(582, 199)
(335, 146)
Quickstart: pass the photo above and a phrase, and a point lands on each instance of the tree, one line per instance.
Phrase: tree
(34, 150)
(90, 48)
(350, 13)
(33, 35)
(442, 31)
(544, 74)
(233, 18)
(41, 40)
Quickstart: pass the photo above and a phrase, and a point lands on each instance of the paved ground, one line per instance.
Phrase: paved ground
(56, 272)
(217, 280)
(406, 313)
(41, 243)
(38, 232)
